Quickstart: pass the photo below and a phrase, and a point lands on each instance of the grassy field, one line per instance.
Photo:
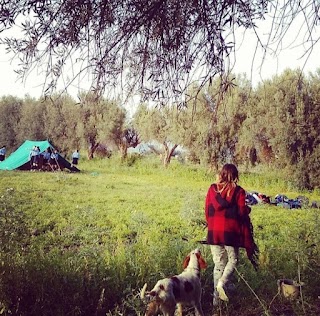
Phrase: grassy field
(85, 243)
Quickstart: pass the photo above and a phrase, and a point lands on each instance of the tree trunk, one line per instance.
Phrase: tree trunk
(214, 163)
(253, 156)
(168, 153)
(92, 149)
(123, 151)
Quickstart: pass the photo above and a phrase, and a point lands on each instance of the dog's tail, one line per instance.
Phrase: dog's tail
(143, 291)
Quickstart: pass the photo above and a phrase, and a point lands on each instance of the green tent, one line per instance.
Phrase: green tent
(20, 159)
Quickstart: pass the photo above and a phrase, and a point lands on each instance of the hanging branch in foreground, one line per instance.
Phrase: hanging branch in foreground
(154, 48)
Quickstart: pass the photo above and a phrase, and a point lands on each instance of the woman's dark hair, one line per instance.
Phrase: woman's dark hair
(229, 174)
(228, 178)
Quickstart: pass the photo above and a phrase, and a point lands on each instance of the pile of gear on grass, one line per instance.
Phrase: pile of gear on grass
(253, 198)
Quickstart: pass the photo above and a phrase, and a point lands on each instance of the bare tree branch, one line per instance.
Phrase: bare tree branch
(155, 48)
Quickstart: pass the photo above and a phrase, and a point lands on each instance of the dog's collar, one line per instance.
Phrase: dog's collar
(193, 268)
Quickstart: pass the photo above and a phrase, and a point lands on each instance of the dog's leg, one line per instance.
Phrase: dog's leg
(152, 309)
(198, 308)
(179, 309)
(169, 307)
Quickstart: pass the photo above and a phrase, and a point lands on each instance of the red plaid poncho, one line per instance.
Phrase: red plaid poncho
(229, 222)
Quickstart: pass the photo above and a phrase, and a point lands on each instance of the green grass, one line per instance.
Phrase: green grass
(85, 243)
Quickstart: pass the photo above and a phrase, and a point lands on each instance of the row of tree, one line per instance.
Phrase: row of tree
(275, 123)
(88, 124)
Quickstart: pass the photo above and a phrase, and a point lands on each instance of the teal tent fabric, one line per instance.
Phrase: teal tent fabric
(21, 157)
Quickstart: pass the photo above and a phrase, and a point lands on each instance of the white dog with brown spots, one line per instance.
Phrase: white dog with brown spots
(182, 289)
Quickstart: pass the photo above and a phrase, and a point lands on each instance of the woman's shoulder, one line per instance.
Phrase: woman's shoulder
(240, 188)
(213, 186)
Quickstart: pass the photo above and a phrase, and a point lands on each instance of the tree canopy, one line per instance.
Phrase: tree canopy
(154, 48)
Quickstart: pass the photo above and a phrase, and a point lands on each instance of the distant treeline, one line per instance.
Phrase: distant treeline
(275, 123)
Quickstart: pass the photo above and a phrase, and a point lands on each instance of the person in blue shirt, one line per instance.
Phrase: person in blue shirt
(46, 158)
(3, 153)
(75, 157)
(34, 157)
(54, 160)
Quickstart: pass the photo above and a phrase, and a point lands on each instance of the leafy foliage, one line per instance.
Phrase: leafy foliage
(160, 125)
(67, 124)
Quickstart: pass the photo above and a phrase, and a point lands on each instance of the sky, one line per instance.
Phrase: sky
(257, 67)
(291, 52)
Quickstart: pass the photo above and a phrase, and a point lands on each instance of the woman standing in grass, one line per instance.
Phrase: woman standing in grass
(229, 228)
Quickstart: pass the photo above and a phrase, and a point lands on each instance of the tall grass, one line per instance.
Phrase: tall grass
(85, 243)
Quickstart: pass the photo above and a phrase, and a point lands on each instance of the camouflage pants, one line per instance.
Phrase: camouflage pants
(225, 259)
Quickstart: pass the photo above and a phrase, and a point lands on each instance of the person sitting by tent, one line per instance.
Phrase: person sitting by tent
(20, 159)
(75, 157)
(54, 160)
(34, 157)
(3, 153)
(46, 158)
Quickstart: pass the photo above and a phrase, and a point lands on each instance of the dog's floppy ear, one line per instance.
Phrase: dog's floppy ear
(186, 261)
(201, 261)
